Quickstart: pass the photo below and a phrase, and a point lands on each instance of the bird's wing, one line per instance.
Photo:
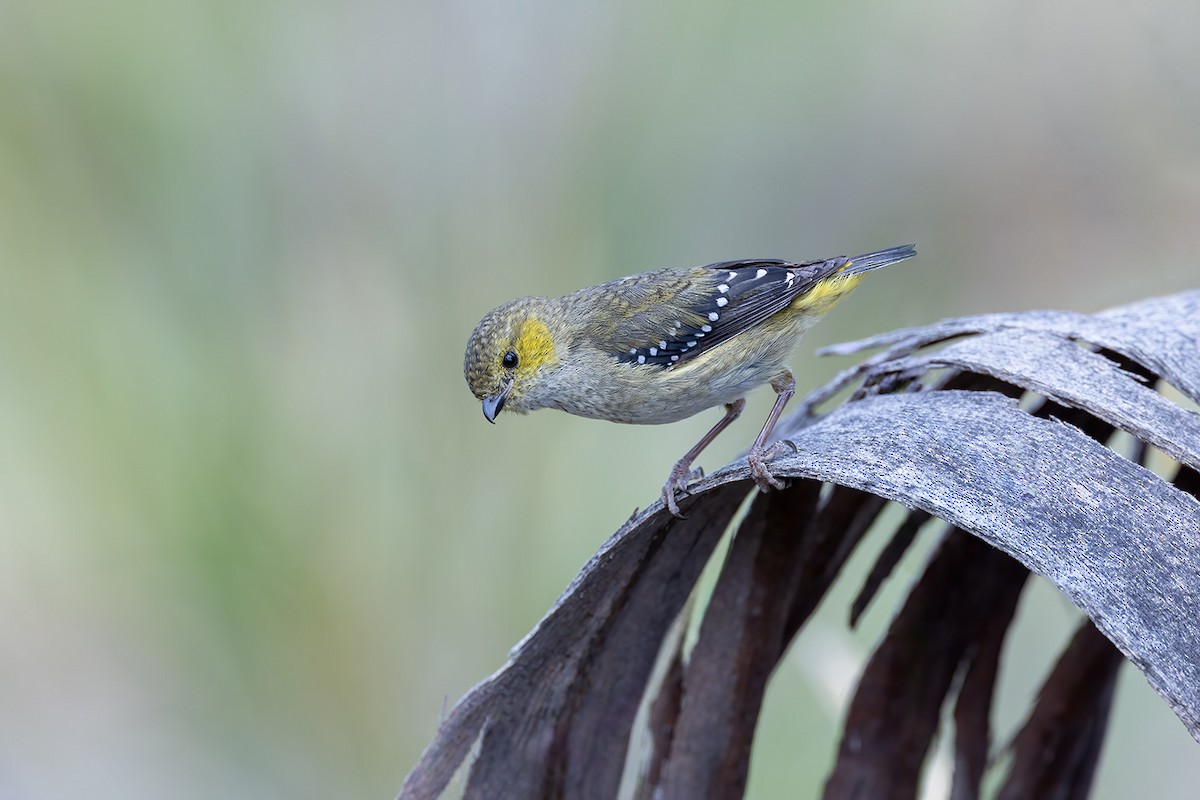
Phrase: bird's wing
(670, 316)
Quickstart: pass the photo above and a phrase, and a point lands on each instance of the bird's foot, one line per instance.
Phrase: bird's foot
(757, 458)
(681, 475)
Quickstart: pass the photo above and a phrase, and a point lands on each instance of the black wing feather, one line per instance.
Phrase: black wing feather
(737, 295)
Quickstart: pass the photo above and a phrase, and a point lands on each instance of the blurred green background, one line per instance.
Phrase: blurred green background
(256, 536)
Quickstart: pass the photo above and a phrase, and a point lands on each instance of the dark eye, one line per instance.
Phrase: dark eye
(510, 360)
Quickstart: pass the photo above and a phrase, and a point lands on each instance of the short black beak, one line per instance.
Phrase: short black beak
(493, 403)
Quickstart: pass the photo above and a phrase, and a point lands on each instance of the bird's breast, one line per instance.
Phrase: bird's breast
(600, 387)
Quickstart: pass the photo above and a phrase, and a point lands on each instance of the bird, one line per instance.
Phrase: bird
(663, 345)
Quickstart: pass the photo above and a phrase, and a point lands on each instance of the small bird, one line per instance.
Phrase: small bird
(660, 346)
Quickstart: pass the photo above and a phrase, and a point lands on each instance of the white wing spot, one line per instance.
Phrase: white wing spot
(732, 275)
(633, 351)
(641, 359)
(706, 328)
(722, 301)
(723, 288)
(760, 273)
(653, 351)
(678, 324)
(674, 358)
(714, 316)
(663, 345)
(791, 276)
(692, 343)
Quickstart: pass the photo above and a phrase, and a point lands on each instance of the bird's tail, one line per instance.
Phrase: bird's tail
(880, 258)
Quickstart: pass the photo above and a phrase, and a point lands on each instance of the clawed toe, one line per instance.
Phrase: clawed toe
(758, 468)
(779, 447)
(681, 475)
(668, 498)
(678, 482)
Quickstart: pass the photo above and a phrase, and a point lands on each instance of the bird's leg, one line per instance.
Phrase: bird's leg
(784, 385)
(682, 472)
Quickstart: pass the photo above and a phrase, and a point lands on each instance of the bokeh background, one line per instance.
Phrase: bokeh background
(255, 535)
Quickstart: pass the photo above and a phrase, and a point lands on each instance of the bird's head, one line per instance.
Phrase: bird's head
(510, 356)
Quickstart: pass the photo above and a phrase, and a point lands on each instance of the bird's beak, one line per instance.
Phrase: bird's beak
(493, 403)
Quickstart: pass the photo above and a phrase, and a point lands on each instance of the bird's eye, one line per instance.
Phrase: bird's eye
(510, 360)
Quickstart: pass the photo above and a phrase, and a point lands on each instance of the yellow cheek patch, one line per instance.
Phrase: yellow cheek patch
(534, 345)
(822, 297)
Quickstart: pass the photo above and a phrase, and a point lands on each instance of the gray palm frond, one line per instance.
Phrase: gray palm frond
(999, 426)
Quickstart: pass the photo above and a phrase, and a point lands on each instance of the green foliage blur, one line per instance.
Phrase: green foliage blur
(255, 534)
